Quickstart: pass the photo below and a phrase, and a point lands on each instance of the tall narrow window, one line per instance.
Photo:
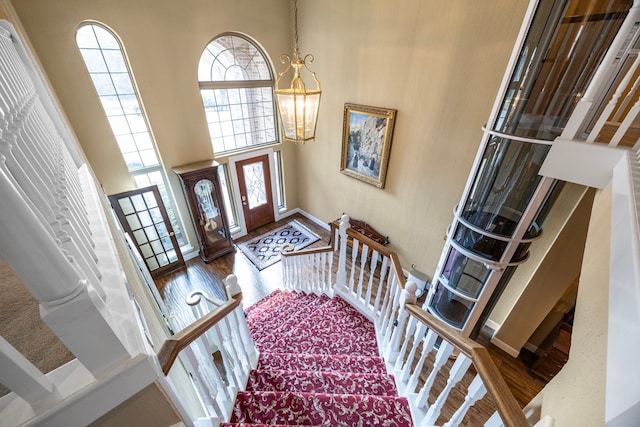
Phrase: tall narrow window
(236, 84)
(113, 80)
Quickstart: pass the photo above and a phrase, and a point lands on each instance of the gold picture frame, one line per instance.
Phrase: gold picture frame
(366, 142)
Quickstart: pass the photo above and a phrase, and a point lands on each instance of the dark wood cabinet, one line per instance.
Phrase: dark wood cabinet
(201, 187)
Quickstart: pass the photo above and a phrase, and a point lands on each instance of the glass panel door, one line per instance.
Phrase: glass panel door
(254, 180)
(143, 216)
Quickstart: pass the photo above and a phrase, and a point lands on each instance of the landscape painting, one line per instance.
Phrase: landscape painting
(366, 142)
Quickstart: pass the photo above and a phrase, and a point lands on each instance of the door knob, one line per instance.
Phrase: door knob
(244, 200)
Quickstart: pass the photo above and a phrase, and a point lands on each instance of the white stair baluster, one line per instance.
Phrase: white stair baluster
(372, 269)
(341, 278)
(494, 421)
(408, 296)
(428, 343)
(442, 355)
(21, 376)
(363, 267)
(602, 120)
(330, 278)
(475, 392)
(354, 260)
(410, 329)
(391, 312)
(381, 295)
(626, 124)
(456, 373)
(233, 289)
(229, 355)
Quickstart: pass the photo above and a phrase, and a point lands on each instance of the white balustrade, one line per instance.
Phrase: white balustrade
(55, 237)
(372, 282)
(231, 340)
(309, 271)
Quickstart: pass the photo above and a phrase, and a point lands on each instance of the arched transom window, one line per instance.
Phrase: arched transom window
(236, 84)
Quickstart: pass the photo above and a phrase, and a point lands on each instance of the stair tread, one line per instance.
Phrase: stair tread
(278, 326)
(297, 408)
(253, 425)
(321, 362)
(333, 328)
(269, 307)
(319, 365)
(322, 382)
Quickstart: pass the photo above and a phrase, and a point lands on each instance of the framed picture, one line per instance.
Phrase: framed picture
(366, 142)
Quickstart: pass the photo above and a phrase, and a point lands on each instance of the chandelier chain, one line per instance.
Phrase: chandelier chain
(295, 26)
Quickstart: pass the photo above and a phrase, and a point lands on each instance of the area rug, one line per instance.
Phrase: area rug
(264, 250)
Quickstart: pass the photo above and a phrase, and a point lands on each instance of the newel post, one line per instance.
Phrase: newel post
(341, 277)
(408, 296)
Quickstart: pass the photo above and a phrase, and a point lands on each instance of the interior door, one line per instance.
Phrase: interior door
(254, 180)
(143, 216)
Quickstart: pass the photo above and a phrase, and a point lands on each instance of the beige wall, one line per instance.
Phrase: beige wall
(163, 41)
(438, 63)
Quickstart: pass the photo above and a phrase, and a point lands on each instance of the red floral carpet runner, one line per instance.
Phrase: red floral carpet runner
(318, 366)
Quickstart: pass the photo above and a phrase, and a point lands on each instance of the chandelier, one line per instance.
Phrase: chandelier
(297, 106)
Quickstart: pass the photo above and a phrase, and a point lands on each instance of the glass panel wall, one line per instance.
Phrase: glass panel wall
(500, 216)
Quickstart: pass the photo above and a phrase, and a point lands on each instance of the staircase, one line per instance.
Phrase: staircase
(319, 365)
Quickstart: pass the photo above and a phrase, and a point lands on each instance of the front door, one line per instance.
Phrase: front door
(254, 180)
(143, 216)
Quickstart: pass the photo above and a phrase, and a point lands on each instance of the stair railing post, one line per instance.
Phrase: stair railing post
(233, 289)
(408, 296)
(341, 278)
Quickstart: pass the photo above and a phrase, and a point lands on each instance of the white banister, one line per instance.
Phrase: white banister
(371, 279)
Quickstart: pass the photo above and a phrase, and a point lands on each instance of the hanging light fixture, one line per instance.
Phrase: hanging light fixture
(297, 106)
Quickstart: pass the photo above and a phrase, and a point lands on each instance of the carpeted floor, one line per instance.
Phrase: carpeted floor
(21, 326)
(264, 250)
(318, 365)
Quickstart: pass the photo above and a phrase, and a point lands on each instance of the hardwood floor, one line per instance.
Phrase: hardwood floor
(256, 284)
(174, 287)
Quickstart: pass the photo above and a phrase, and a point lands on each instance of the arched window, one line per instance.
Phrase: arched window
(236, 84)
(113, 80)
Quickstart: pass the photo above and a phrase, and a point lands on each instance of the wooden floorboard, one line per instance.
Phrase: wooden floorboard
(257, 284)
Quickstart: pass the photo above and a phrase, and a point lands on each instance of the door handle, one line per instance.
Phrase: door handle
(172, 234)
(244, 200)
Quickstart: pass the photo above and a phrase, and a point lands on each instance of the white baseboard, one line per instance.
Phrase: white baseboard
(492, 325)
(505, 347)
(308, 216)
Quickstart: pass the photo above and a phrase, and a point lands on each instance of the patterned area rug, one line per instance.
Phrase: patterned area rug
(318, 365)
(264, 250)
